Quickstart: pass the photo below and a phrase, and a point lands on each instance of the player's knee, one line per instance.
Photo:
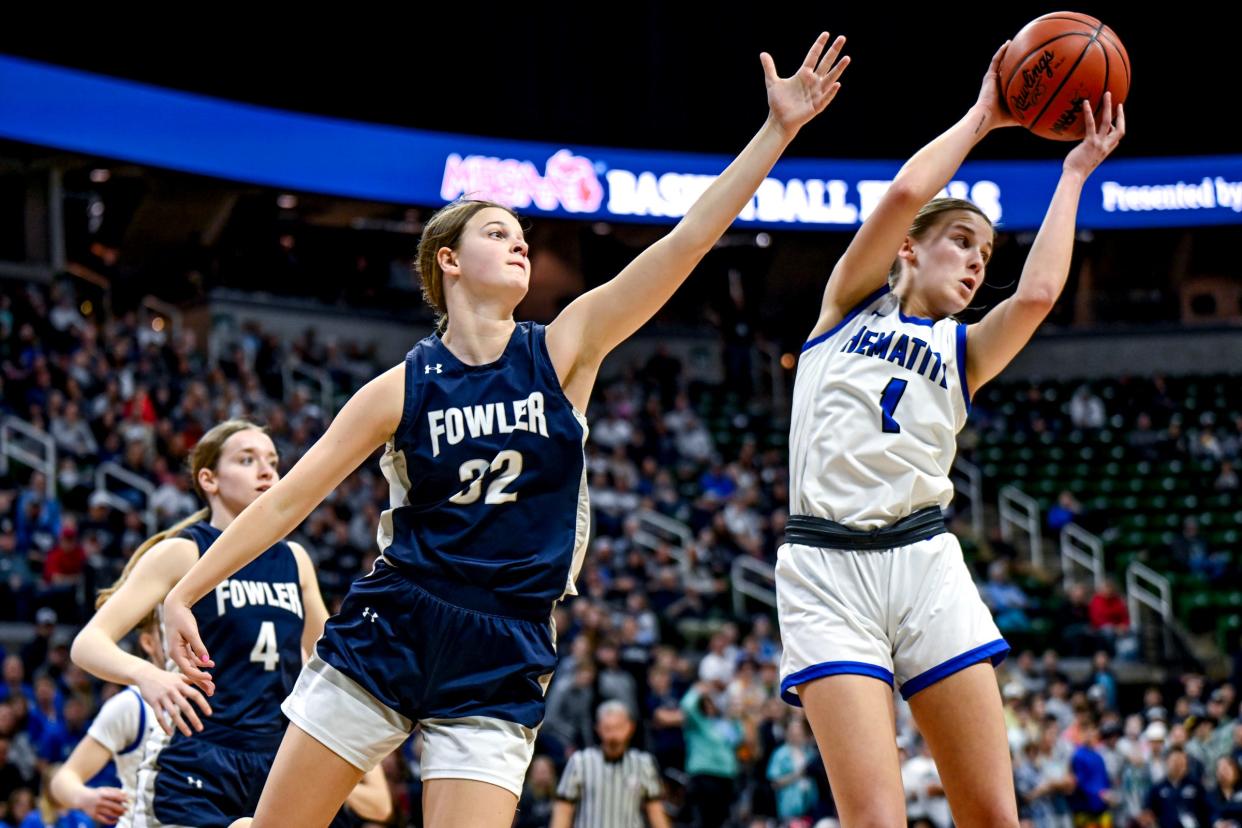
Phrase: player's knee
(988, 815)
(874, 815)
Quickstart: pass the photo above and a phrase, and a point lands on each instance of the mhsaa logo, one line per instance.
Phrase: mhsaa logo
(568, 182)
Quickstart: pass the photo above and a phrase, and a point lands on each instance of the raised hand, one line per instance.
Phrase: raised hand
(1099, 139)
(795, 100)
(996, 112)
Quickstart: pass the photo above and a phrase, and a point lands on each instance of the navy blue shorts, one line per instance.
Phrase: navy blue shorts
(206, 784)
(397, 656)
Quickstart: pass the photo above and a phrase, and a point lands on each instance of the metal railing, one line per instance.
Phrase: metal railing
(31, 446)
(1018, 509)
(752, 578)
(317, 377)
(1147, 587)
(656, 530)
(1080, 548)
(969, 482)
(112, 471)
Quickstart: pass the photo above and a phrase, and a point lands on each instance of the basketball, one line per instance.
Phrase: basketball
(1056, 62)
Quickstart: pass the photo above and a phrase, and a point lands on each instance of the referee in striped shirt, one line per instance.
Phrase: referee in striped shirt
(610, 786)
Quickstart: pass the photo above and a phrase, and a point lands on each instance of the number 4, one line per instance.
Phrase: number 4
(888, 405)
(265, 649)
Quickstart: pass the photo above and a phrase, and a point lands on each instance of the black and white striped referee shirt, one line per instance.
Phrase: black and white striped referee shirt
(610, 794)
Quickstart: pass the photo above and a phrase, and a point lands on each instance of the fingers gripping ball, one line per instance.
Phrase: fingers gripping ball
(1055, 63)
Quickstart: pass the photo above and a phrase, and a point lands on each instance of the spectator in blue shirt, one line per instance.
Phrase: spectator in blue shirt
(1092, 796)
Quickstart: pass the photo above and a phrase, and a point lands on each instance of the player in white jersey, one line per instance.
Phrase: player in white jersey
(869, 584)
(121, 733)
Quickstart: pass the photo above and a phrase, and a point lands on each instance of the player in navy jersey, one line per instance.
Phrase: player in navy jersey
(483, 433)
(869, 584)
(209, 771)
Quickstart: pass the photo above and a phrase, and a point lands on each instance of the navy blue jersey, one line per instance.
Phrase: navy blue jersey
(252, 626)
(487, 478)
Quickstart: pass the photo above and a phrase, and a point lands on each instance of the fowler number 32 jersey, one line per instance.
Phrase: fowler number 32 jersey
(877, 404)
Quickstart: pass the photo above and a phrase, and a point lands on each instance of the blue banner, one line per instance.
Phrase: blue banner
(127, 121)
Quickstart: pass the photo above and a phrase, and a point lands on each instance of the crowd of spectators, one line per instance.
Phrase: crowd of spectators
(654, 626)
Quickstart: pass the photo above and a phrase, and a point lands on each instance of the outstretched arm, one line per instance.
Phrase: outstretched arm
(366, 421)
(996, 339)
(864, 267)
(586, 331)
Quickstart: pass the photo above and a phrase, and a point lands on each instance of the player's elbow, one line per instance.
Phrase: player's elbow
(79, 648)
(1036, 299)
(905, 192)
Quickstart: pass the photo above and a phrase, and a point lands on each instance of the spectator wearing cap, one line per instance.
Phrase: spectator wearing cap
(34, 651)
(1156, 737)
(1179, 800)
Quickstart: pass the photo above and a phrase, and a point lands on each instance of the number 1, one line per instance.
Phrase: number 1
(888, 405)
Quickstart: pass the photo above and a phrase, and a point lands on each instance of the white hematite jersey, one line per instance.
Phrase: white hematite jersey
(877, 404)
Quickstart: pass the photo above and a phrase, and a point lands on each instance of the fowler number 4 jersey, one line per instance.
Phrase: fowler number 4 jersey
(877, 404)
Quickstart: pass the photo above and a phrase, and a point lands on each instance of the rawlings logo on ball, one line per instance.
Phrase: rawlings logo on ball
(1033, 83)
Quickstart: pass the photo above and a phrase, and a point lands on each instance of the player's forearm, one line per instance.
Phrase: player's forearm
(260, 525)
(932, 167)
(1047, 265)
(720, 203)
(67, 787)
(100, 656)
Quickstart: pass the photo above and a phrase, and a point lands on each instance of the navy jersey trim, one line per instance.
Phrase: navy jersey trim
(853, 312)
(408, 405)
(961, 364)
(830, 668)
(994, 651)
(541, 336)
(142, 726)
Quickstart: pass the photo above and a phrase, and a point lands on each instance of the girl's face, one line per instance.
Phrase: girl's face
(246, 469)
(946, 266)
(491, 260)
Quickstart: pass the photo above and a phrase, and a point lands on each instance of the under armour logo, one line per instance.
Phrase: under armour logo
(196, 783)
(367, 613)
(427, 369)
